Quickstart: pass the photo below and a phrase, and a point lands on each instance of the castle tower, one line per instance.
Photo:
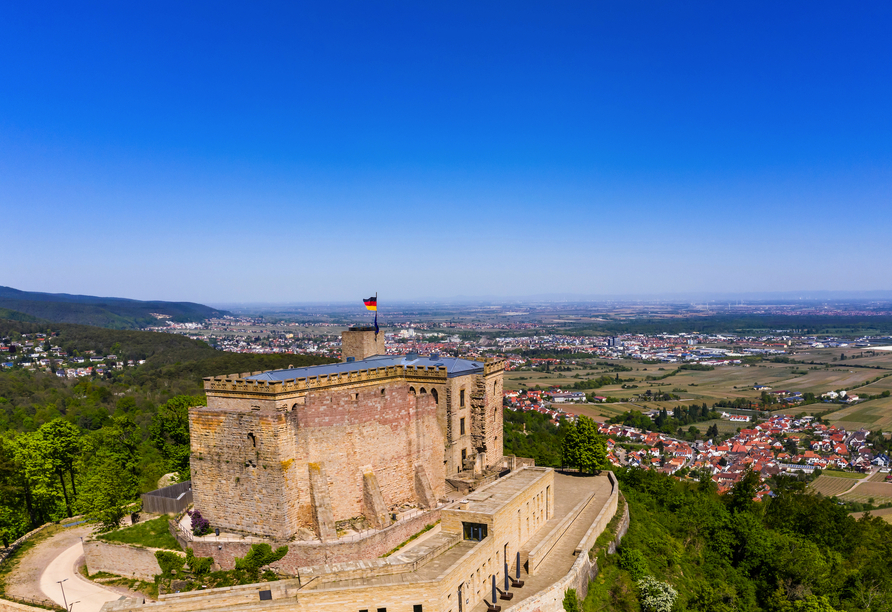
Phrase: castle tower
(358, 343)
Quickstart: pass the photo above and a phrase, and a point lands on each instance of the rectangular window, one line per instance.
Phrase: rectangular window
(461, 398)
(464, 455)
(417, 608)
(461, 426)
(475, 531)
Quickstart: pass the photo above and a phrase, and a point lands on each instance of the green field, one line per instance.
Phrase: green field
(831, 485)
(733, 382)
(879, 492)
(872, 414)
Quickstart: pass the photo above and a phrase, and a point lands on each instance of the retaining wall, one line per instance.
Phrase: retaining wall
(303, 554)
(584, 569)
(122, 559)
(11, 606)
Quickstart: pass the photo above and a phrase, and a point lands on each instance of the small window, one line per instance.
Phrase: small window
(412, 390)
(461, 426)
(252, 439)
(475, 532)
(354, 396)
(417, 608)
(423, 391)
(464, 454)
(382, 609)
(382, 391)
(461, 398)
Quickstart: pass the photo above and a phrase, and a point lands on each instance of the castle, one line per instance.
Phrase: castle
(289, 456)
(277, 452)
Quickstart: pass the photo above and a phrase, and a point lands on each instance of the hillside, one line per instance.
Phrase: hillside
(114, 313)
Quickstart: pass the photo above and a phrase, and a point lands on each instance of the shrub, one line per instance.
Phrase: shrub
(170, 562)
(199, 566)
(257, 557)
(110, 518)
(633, 562)
(656, 596)
(571, 601)
(200, 525)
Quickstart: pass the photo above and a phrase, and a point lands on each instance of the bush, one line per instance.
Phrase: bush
(656, 596)
(200, 525)
(633, 562)
(257, 557)
(199, 566)
(571, 601)
(110, 518)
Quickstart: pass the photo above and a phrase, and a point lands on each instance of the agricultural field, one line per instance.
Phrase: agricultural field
(878, 477)
(831, 485)
(872, 414)
(879, 492)
(884, 513)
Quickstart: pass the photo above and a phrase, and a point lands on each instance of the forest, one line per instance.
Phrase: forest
(92, 444)
(796, 552)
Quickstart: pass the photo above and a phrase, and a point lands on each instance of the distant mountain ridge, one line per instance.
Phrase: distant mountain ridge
(114, 313)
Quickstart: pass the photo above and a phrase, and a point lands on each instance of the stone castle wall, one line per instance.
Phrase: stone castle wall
(303, 554)
(250, 468)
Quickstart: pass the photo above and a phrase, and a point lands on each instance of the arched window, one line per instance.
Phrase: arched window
(423, 391)
(435, 396)
(412, 390)
(252, 439)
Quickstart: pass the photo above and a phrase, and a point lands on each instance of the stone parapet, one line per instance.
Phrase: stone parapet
(239, 386)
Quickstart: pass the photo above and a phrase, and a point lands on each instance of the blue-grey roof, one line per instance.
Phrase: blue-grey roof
(454, 367)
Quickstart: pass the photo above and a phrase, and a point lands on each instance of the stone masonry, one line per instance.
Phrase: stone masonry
(273, 456)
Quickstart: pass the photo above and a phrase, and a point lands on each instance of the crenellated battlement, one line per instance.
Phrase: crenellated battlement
(239, 383)
(492, 366)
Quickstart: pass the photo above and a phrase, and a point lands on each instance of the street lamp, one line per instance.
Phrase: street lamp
(71, 607)
(63, 591)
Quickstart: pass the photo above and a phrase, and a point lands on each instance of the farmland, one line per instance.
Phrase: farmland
(734, 382)
(879, 492)
(885, 514)
(831, 485)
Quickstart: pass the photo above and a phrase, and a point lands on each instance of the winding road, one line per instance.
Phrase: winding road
(85, 596)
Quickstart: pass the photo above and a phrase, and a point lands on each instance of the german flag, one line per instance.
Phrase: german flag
(371, 303)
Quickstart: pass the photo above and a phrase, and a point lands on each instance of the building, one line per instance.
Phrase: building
(277, 452)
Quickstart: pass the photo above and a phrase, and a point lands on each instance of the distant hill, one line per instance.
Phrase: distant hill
(114, 313)
(171, 359)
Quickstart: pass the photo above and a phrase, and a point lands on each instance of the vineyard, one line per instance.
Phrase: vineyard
(831, 485)
(879, 492)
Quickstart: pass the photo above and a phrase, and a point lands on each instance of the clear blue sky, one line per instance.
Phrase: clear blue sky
(256, 152)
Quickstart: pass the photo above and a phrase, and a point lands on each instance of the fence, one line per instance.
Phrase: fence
(169, 500)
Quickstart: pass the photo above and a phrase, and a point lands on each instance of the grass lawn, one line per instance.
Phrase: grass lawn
(836, 474)
(151, 534)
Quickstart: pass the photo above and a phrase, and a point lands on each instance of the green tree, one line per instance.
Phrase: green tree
(583, 447)
(59, 441)
(170, 432)
(740, 498)
(259, 556)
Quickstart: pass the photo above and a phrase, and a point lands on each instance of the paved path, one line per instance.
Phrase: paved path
(89, 595)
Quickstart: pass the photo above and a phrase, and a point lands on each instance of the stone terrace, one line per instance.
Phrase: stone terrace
(570, 490)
